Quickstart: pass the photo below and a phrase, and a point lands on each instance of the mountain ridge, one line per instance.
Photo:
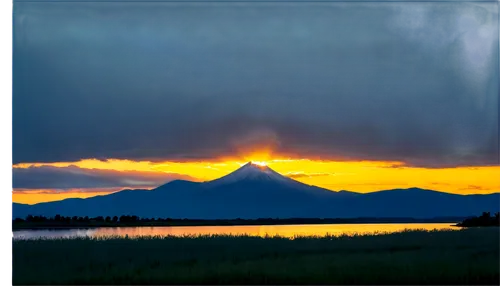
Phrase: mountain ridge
(254, 191)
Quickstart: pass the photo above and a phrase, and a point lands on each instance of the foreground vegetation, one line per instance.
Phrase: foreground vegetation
(42, 222)
(468, 256)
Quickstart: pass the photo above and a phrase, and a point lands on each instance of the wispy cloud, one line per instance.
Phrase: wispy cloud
(20, 191)
(473, 188)
(296, 175)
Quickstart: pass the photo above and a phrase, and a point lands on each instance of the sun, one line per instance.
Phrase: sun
(260, 163)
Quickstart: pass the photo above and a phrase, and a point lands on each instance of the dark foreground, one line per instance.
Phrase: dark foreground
(469, 256)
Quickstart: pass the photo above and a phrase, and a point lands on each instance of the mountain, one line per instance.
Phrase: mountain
(255, 191)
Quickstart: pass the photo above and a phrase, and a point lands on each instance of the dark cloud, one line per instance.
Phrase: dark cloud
(72, 177)
(412, 82)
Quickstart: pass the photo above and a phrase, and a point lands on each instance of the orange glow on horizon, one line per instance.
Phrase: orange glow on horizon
(357, 176)
(48, 195)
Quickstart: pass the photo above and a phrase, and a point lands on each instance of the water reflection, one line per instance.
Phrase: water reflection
(255, 230)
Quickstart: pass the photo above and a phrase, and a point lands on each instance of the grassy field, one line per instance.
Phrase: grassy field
(469, 256)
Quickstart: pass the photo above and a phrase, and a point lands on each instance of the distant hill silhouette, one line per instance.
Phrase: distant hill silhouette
(254, 191)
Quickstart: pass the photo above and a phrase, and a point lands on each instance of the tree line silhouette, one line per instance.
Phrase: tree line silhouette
(484, 220)
(59, 221)
(80, 219)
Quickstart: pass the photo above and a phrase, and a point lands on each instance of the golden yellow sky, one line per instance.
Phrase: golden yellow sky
(357, 176)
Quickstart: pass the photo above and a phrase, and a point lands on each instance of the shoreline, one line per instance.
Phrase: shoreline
(40, 226)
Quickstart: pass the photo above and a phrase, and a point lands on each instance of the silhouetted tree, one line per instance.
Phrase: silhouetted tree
(484, 220)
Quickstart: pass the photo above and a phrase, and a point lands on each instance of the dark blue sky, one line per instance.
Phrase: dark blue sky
(413, 82)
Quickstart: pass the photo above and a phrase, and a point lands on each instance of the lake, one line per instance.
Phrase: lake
(254, 230)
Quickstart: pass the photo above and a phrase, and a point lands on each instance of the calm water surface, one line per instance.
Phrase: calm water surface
(255, 230)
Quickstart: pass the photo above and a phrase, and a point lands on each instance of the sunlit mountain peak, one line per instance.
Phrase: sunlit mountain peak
(259, 163)
(252, 172)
